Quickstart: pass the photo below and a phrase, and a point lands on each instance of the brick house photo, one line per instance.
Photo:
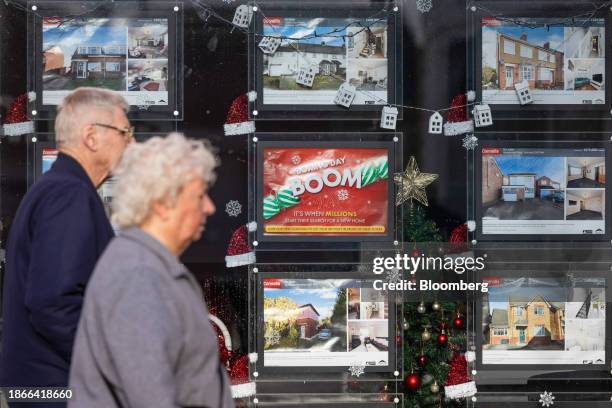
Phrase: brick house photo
(89, 54)
(521, 60)
(517, 187)
(528, 323)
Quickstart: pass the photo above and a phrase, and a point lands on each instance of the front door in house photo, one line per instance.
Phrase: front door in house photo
(302, 332)
(522, 338)
(81, 72)
(509, 77)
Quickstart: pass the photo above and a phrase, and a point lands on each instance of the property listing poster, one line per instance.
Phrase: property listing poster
(535, 191)
(324, 322)
(127, 55)
(338, 49)
(325, 191)
(562, 64)
(536, 321)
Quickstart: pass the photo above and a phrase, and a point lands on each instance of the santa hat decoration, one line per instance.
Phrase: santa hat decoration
(238, 252)
(238, 122)
(457, 120)
(242, 386)
(16, 122)
(237, 365)
(458, 382)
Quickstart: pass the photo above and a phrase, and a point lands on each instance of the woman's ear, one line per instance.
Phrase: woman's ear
(161, 209)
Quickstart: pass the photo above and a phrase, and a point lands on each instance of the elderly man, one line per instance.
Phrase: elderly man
(144, 338)
(58, 234)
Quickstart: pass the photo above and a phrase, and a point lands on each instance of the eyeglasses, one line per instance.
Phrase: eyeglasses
(126, 132)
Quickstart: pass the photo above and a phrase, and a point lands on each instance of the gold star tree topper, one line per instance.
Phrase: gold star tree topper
(411, 184)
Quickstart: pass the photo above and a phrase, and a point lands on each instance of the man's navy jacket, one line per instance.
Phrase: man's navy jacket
(58, 234)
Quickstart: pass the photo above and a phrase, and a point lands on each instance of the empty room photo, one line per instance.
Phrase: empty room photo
(586, 172)
(585, 205)
(517, 187)
(368, 336)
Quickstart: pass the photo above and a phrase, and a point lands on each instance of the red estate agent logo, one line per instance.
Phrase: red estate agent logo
(273, 21)
(491, 150)
(273, 284)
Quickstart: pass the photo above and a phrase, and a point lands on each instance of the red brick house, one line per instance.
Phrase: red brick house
(307, 320)
(96, 61)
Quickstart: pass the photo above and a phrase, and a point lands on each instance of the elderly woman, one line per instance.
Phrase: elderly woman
(144, 339)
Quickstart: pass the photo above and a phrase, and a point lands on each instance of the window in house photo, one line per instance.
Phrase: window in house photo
(94, 66)
(509, 47)
(113, 67)
(542, 55)
(518, 311)
(526, 52)
(500, 331)
(539, 331)
(527, 72)
(539, 311)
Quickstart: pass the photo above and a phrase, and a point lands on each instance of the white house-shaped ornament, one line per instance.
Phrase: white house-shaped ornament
(388, 119)
(345, 95)
(523, 92)
(482, 115)
(435, 123)
(269, 44)
(306, 75)
(243, 16)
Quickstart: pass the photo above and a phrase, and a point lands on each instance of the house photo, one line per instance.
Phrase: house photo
(585, 74)
(514, 54)
(367, 42)
(528, 321)
(354, 304)
(148, 40)
(368, 75)
(517, 187)
(306, 316)
(586, 172)
(91, 54)
(368, 336)
(585, 205)
(327, 54)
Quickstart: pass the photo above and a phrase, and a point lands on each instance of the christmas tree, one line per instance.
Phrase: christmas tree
(433, 334)
(416, 227)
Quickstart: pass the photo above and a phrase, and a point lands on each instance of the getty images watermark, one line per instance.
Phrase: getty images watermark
(412, 264)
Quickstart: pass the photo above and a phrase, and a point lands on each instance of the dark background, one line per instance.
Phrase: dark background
(215, 72)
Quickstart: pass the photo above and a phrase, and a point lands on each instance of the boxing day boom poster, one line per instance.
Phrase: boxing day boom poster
(326, 191)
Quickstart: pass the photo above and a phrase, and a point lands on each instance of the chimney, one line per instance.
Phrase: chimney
(547, 45)
(524, 36)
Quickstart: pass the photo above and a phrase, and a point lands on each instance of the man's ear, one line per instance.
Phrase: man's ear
(90, 137)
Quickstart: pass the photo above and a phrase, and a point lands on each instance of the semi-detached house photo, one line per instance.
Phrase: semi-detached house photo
(516, 187)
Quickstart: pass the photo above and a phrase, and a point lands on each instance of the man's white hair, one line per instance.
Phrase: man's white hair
(157, 170)
(82, 107)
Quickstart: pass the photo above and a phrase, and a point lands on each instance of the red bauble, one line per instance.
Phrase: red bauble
(443, 326)
(413, 382)
(442, 339)
(422, 360)
(458, 322)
